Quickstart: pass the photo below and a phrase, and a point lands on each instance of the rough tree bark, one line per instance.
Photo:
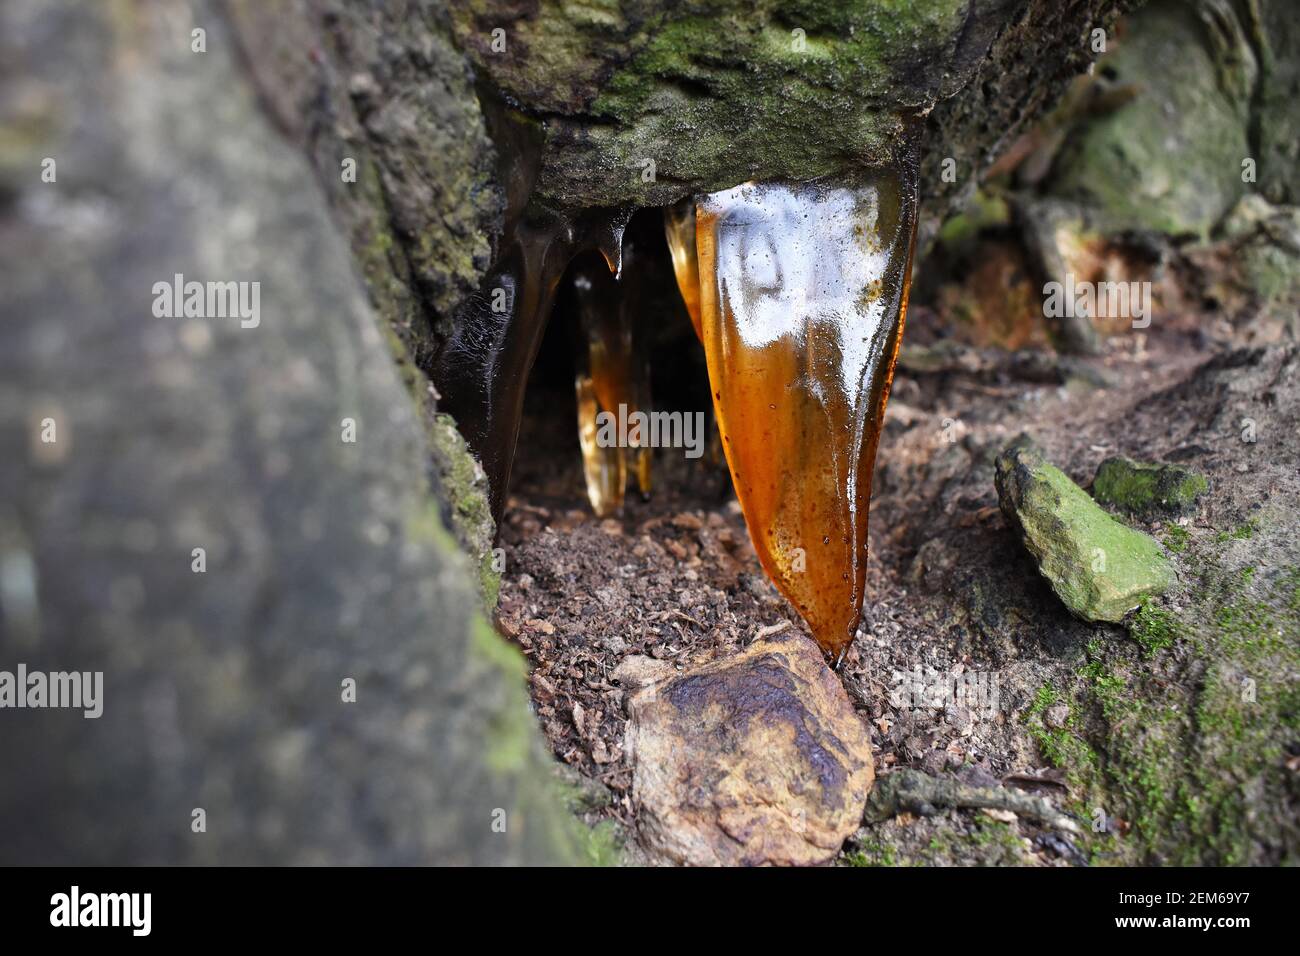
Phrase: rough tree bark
(325, 560)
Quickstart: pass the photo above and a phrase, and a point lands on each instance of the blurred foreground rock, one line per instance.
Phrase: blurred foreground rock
(754, 759)
(324, 561)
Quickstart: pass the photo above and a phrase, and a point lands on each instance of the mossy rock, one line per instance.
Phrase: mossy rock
(1147, 489)
(1171, 159)
(1278, 120)
(462, 489)
(1099, 568)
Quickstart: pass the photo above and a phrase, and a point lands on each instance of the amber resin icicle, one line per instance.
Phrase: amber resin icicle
(612, 384)
(803, 294)
(679, 228)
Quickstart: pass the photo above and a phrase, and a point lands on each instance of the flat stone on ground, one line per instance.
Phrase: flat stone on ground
(755, 759)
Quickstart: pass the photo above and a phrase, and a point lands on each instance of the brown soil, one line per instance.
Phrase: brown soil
(949, 588)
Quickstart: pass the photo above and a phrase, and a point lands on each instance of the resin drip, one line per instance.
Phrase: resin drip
(483, 370)
(679, 228)
(803, 295)
(612, 382)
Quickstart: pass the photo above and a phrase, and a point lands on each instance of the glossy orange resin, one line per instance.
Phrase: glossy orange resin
(803, 294)
(679, 228)
(613, 377)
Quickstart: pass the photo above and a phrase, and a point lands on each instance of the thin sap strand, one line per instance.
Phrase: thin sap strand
(803, 294)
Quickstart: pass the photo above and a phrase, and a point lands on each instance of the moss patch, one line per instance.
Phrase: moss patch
(1180, 738)
(1243, 532)
(1176, 538)
(463, 488)
(1154, 629)
(1147, 489)
(1062, 746)
(872, 853)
